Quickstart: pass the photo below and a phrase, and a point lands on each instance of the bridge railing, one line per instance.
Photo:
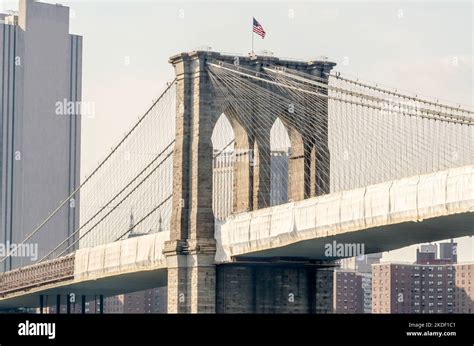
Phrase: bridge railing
(39, 274)
(133, 254)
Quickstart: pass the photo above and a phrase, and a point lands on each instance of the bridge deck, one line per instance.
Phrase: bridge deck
(384, 216)
(125, 266)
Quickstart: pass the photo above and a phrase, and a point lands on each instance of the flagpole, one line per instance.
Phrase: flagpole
(252, 41)
(252, 35)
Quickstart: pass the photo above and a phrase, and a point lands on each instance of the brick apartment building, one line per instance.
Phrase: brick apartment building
(429, 286)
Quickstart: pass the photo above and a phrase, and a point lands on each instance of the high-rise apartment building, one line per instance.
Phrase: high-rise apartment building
(348, 293)
(353, 284)
(143, 302)
(40, 127)
(429, 286)
(448, 251)
(464, 288)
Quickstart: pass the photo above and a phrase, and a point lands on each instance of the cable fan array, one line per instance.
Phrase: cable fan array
(364, 134)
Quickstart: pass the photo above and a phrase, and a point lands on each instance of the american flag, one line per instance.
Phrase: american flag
(258, 29)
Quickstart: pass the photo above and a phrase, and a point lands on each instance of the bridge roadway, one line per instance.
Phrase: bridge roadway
(383, 217)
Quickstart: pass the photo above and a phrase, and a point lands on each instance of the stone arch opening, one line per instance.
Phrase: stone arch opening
(280, 146)
(223, 157)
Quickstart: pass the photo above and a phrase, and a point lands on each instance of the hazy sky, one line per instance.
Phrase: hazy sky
(425, 47)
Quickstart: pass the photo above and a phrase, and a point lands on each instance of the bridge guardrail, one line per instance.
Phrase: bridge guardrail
(37, 274)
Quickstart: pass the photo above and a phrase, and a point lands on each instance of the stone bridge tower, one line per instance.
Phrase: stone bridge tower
(192, 273)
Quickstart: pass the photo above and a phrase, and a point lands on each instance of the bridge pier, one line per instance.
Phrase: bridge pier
(58, 303)
(243, 167)
(101, 303)
(191, 282)
(83, 304)
(274, 288)
(41, 303)
(68, 304)
(252, 166)
(262, 168)
(299, 163)
(191, 250)
(308, 165)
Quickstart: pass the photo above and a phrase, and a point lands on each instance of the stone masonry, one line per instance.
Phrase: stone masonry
(190, 253)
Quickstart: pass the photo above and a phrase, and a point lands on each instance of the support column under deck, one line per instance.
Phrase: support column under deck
(274, 288)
